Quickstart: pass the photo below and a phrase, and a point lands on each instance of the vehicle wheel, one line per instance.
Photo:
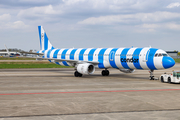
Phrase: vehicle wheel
(169, 80)
(162, 79)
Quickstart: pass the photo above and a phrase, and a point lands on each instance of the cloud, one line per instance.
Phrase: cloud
(173, 26)
(5, 17)
(71, 2)
(27, 3)
(36, 12)
(172, 5)
(13, 25)
(131, 18)
(19, 25)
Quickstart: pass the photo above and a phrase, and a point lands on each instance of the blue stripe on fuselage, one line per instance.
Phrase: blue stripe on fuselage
(90, 55)
(56, 53)
(136, 55)
(72, 54)
(150, 61)
(112, 57)
(101, 57)
(63, 56)
(123, 58)
(48, 53)
(81, 54)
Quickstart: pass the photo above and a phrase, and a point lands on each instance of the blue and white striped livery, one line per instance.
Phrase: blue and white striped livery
(85, 60)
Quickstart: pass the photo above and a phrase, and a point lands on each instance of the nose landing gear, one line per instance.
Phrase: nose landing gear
(151, 77)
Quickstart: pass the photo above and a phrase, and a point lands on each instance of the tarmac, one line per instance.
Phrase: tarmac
(55, 94)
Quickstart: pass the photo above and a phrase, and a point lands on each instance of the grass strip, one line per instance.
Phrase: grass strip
(177, 60)
(3, 58)
(10, 65)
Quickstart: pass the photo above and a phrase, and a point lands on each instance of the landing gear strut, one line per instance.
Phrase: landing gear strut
(105, 72)
(77, 74)
(151, 77)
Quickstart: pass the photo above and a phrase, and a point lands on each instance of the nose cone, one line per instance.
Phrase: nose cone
(168, 62)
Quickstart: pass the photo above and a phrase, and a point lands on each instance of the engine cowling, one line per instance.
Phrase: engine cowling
(86, 68)
(127, 70)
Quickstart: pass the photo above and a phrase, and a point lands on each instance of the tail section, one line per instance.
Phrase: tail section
(44, 41)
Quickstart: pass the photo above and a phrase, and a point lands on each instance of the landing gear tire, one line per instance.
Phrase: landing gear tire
(162, 79)
(77, 74)
(169, 80)
(105, 73)
(151, 77)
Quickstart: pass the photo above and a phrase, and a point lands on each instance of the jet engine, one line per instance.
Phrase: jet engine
(127, 70)
(86, 68)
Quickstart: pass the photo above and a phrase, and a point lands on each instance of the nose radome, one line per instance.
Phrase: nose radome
(168, 62)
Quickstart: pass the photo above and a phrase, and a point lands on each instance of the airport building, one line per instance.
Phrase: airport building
(173, 54)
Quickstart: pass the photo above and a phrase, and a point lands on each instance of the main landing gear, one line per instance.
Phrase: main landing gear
(77, 74)
(105, 72)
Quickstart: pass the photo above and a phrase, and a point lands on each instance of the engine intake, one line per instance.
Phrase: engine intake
(86, 68)
(127, 70)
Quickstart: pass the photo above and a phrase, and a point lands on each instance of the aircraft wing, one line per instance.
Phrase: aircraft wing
(70, 61)
(56, 60)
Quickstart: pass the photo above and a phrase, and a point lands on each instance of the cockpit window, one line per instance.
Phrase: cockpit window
(160, 54)
(164, 54)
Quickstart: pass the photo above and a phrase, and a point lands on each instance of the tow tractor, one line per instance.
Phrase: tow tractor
(171, 78)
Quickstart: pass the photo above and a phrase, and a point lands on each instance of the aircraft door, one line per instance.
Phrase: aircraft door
(145, 55)
(111, 56)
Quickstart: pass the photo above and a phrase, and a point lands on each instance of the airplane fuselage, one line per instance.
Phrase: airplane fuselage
(120, 58)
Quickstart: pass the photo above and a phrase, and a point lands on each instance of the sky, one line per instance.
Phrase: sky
(91, 23)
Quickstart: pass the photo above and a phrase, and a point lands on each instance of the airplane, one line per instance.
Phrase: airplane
(85, 60)
(8, 53)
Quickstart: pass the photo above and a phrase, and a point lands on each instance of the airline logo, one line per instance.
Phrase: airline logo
(132, 60)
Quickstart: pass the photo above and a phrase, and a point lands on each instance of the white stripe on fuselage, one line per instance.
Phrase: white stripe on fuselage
(117, 57)
(85, 57)
(142, 58)
(129, 56)
(106, 58)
